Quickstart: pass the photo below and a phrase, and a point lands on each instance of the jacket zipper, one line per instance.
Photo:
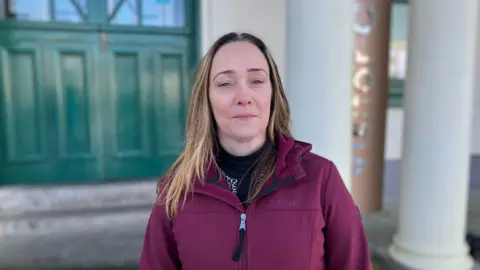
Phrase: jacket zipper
(241, 237)
(245, 250)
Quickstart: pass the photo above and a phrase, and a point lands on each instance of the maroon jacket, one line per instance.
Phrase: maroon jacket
(304, 219)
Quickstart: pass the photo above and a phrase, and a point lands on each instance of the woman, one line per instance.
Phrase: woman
(244, 194)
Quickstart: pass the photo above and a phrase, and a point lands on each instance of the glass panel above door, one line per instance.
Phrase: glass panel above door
(123, 12)
(67, 11)
(28, 10)
(163, 13)
(159, 13)
(74, 11)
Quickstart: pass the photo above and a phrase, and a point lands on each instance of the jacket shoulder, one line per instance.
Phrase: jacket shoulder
(313, 164)
(316, 167)
(310, 159)
(307, 157)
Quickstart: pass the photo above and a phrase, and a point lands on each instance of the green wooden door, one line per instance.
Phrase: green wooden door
(146, 109)
(71, 73)
(48, 89)
(103, 99)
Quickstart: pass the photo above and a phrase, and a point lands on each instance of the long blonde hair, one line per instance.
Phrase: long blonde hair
(201, 139)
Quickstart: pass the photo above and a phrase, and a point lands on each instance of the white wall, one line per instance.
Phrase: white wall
(263, 18)
(267, 19)
(476, 118)
(476, 107)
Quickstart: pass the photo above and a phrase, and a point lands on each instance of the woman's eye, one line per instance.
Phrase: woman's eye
(257, 81)
(224, 84)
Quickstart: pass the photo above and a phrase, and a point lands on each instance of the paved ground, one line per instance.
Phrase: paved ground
(109, 240)
(381, 226)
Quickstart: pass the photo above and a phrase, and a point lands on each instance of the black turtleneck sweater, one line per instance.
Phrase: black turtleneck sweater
(240, 168)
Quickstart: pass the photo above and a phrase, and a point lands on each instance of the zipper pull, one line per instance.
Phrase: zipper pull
(243, 219)
(242, 229)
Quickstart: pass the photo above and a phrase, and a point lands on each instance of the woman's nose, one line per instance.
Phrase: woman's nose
(244, 102)
(244, 96)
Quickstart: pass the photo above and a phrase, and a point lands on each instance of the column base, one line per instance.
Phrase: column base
(415, 260)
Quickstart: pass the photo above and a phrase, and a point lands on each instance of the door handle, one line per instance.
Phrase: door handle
(103, 41)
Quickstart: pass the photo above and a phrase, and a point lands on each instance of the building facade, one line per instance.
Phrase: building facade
(94, 96)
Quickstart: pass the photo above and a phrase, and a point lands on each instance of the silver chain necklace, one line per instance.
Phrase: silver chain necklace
(232, 182)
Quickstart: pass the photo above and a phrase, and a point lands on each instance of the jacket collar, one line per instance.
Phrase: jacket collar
(288, 169)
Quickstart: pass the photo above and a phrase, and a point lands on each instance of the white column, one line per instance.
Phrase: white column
(436, 148)
(319, 76)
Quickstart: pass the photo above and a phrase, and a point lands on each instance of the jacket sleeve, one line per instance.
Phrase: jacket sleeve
(346, 245)
(159, 248)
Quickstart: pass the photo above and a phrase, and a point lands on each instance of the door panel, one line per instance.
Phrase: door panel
(171, 103)
(146, 109)
(24, 130)
(72, 77)
(126, 131)
(23, 91)
(49, 129)
(169, 98)
(128, 94)
(73, 103)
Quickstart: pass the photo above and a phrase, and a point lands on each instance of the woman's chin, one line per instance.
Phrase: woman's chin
(245, 136)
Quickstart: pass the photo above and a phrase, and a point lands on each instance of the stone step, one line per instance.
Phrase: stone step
(31, 201)
(89, 241)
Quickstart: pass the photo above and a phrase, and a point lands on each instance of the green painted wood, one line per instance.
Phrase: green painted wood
(49, 128)
(398, 32)
(24, 103)
(24, 130)
(395, 93)
(147, 109)
(72, 77)
(92, 101)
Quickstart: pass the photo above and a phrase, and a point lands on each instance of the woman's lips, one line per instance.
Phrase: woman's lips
(244, 116)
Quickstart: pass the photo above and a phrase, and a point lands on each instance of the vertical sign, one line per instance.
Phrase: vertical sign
(369, 100)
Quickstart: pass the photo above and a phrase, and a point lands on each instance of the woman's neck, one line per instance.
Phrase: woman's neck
(242, 148)
(238, 166)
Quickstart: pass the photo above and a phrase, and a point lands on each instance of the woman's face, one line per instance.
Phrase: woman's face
(240, 92)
